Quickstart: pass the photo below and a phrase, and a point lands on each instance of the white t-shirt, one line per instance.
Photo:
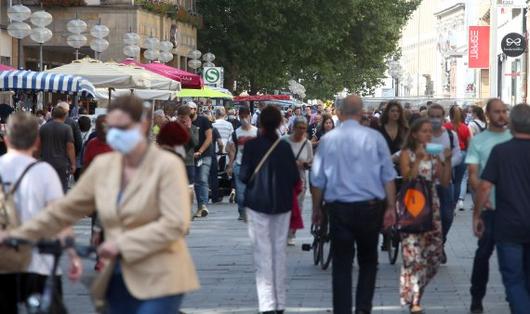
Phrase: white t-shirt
(306, 153)
(243, 136)
(225, 129)
(39, 187)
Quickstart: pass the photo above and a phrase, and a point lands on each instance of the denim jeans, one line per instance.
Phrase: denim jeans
(354, 226)
(481, 263)
(458, 177)
(514, 265)
(120, 301)
(240, 190)
(447, 208)
(463, 187)
(190, 171)
(202, 176)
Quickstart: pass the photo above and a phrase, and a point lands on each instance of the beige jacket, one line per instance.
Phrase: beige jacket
(148, 225)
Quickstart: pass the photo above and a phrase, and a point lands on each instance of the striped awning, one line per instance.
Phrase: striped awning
(46, 82)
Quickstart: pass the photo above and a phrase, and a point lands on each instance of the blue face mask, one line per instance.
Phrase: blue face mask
(434, 149)
(123, 141)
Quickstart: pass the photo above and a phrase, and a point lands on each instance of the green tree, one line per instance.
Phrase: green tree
(326, 44)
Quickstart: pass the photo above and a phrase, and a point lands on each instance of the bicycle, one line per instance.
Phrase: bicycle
(321, 246)
(41, 303)
(392, 242)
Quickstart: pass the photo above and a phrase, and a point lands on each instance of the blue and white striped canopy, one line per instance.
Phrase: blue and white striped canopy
(46, 82)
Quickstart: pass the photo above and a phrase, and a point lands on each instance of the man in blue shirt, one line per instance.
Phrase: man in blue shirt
(353, 173)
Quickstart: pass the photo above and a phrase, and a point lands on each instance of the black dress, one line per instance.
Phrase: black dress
(393, 144)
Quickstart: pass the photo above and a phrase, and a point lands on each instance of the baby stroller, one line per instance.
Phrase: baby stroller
(220, 181)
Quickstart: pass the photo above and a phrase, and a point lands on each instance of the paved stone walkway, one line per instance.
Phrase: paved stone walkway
(221, 250)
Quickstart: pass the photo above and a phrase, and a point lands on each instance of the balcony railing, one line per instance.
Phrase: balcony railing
(172, 10)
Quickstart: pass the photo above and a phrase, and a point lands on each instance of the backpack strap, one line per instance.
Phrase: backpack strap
(300, 151)
(481, 128)
(451, 139)
(17, 183)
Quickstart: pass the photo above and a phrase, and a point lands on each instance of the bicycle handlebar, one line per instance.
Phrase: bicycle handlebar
(53, 247)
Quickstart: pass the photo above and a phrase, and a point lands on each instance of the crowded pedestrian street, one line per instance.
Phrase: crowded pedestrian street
(264, 157)
(221, 251)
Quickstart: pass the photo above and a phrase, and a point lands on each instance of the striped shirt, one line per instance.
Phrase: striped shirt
(225, 129)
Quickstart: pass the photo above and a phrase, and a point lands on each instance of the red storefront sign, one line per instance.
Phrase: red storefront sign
(479, 47)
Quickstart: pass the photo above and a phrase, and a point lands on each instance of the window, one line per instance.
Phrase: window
(3, 14)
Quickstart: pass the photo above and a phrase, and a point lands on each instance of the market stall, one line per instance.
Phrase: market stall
(205, 92)
(20, 80)
(115, 75)
(187, 79)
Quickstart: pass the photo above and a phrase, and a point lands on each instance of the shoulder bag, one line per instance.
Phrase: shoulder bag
(414, 206)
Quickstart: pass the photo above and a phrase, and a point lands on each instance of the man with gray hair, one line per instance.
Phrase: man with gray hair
(508, 169)
(353, 174)
(224, 127)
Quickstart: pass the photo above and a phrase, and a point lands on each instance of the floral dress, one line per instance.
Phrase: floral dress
(421, 252)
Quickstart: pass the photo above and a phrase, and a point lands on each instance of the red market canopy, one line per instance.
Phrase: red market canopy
(262, 98)
(186, 79)
(4, 67)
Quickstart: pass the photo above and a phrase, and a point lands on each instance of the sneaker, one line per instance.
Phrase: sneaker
(476, 307)
(201, 212)
(290, 242)
(460, 205)
(232, 197)
(242, 217)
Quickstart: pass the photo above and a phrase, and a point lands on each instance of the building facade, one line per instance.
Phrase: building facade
(121, 16)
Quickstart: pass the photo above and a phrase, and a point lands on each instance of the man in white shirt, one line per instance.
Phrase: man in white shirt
(224, 127)
(449, 139)
(37, 188)
(235, 148)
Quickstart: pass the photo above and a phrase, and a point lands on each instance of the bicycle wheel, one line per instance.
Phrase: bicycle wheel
(392, 247)
(325, 252)
(315, 246)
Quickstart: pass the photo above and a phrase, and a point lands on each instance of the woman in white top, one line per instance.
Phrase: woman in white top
(303, 153)
(478, 124)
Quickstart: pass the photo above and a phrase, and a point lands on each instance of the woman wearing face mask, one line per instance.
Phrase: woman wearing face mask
(422, 252)
(141, 195)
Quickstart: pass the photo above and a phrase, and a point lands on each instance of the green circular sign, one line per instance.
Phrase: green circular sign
(212, 75)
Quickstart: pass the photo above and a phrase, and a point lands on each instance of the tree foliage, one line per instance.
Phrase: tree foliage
(326, 44)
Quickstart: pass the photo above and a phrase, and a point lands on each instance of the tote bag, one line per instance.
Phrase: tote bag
(414, 207)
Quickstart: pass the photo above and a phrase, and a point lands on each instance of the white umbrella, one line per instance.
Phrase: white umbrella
(114, 75)
(145, 94)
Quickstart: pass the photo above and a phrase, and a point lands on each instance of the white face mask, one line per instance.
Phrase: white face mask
(124, 141)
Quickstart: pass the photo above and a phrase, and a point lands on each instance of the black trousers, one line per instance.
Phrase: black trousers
(354, 227)
(16, 288)
(214, 180)
(481, 262)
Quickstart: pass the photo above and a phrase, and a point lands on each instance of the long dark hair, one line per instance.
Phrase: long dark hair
(270, 120)
(325, 118)
(410, 142)
(403, 125)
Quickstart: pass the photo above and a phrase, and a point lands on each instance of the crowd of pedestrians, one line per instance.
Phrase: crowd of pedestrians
(138, 177)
